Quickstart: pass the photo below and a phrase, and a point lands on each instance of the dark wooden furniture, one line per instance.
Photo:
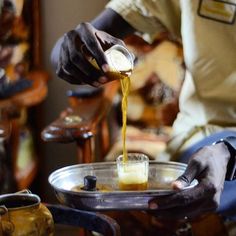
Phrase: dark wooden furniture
(10, 112)
(85, 122)
(21, 104)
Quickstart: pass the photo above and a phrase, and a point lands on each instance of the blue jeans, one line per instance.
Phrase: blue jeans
(227, 206)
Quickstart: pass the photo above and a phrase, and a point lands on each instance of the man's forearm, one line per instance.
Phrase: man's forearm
(112, 23)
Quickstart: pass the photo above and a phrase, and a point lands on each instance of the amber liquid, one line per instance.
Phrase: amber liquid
(124, 78)
(100, 187)
(132, 186)
(129, 181)
(125, 88)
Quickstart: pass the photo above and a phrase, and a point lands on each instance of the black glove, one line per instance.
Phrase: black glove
(80, 45)
(208, 166)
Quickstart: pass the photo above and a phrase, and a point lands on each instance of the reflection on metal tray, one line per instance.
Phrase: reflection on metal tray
(67, 181)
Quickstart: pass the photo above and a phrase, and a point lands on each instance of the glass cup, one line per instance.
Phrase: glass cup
(133, 173)
(120, 61)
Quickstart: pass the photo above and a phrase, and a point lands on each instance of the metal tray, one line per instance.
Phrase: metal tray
(65, 180)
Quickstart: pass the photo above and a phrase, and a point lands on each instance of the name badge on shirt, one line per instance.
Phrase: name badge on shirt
(219, 10)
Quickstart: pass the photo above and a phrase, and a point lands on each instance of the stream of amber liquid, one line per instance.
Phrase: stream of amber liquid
(125, 88)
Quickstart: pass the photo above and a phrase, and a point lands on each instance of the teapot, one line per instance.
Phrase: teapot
(22, 214)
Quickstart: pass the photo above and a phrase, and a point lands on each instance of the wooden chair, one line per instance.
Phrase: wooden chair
(85, 122)
(22, 103)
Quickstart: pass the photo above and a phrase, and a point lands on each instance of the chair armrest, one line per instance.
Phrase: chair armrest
(81, 119)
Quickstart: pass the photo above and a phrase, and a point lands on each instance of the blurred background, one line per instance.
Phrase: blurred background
(42, 128)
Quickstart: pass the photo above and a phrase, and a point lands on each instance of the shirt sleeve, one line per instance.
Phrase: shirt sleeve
(148, 17)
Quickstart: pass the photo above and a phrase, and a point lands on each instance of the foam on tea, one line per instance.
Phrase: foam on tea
(133, 177)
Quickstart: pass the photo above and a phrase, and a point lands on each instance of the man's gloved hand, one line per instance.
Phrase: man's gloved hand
(77, 47)
(208, 166)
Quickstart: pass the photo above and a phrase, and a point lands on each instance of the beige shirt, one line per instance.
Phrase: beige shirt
(207, 30)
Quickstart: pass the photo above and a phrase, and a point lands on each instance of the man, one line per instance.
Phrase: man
(206, 29)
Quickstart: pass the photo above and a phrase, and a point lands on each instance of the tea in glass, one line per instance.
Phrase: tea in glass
(133, 172)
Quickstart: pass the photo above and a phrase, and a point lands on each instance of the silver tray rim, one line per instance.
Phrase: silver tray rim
(117, 192)
(114, 200)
